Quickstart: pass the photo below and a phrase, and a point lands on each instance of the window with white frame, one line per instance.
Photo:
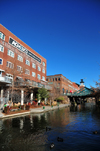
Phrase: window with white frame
(27, 71)
(43, 78)
(19, 68)
(43, 70)
(39, 69)
(34, 65)
(1, 61)
(11, 53)
(28, 62)
(20, 58)
(1, 48)
(38, 76)
(33, 74)
(2, 36)
(43, 63)
(10, 65)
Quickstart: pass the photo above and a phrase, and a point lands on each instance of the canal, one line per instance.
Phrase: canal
(75, 125)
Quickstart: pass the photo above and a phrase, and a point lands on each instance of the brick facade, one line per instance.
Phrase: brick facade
(16, 47)
(63, 83)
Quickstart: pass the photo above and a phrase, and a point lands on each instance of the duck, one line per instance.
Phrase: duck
(59, 139)
(95, 132)
(52, 145)
(48, 129)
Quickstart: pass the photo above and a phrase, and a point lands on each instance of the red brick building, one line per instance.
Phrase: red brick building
(63, 83)
(16, 55)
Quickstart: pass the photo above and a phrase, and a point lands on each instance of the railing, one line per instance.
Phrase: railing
(5, 79)
(32, 84)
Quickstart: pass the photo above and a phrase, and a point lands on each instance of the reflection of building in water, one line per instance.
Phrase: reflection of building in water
(21, 123)
(59, 117)
(1, 125)
(31, 120)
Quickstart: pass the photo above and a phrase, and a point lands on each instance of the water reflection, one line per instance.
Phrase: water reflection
(74, 124)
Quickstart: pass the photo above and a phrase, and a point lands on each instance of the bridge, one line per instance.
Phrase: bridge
(83, 92)
(80, 95)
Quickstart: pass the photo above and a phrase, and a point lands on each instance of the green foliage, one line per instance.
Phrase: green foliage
(42, 93)
(60, 99)
(38, 96)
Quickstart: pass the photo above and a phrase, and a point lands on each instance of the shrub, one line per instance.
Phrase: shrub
(27, 107)
(60, 99)
(22, 107)
(6, 109)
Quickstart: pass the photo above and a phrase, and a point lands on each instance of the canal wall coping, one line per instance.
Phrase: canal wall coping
(35, 110)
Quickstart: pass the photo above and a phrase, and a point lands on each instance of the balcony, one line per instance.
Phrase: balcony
(31, 84)
(5, 80)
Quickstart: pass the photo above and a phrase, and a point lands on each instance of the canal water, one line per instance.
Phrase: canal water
(75, 125)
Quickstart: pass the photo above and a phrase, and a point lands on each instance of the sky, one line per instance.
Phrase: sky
(65, 32)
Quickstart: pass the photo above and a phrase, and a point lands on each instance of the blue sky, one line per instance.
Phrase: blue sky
(65, 32)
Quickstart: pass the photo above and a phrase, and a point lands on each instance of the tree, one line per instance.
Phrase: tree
(55, 92)
(42, 93)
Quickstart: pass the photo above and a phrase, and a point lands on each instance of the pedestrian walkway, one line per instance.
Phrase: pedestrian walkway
(47, 108)
(35, 110)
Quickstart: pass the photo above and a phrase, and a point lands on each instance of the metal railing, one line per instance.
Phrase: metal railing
(32, 83)
(5, 79)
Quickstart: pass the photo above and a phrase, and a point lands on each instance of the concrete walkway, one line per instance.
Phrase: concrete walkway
(35, 110)
(47, 108)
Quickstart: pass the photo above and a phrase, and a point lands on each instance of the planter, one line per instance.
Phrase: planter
(14, 107)
(22, 107)
(6, 109)
(27, 107)
(43, 107)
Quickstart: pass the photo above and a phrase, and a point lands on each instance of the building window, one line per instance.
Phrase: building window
(66, 91)
(19, 68)
(10, 53)
(1, 48)
(39, 69)
(55, 79)
(62, 90)
(34, 65)
(43, 70)
(20, 58)
(43, 78)
(10, 65)
(58, 79)
(27, 71)
(28, 62)
(43, 63)
(2, 36)
(1, 61)
(33, 74)
(39, 77)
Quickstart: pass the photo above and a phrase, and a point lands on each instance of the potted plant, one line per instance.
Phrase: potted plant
(27, 107)
(6, 109)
